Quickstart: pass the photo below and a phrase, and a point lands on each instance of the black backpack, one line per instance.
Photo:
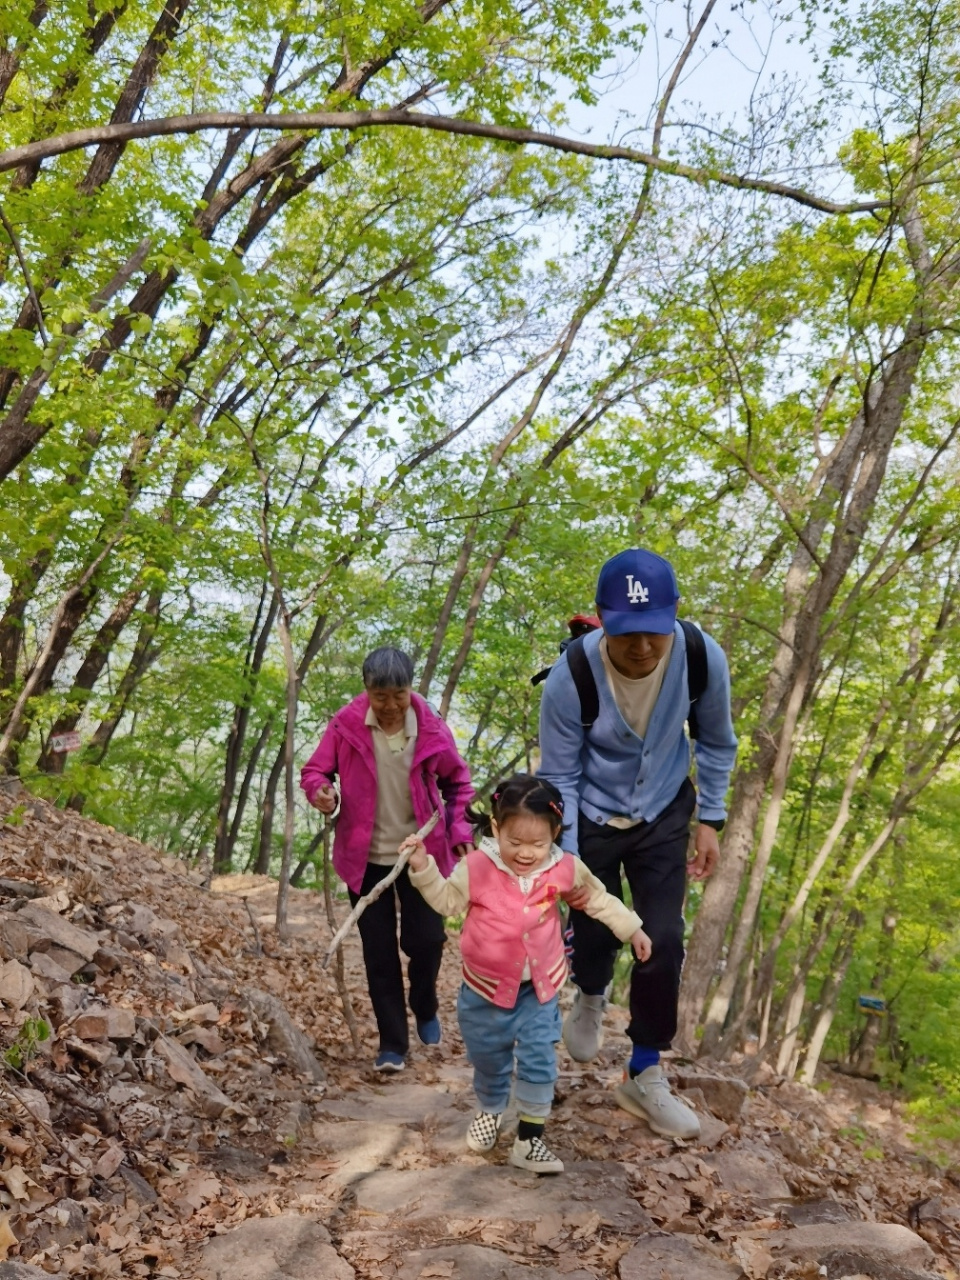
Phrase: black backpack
(586, 685)
(581, 624)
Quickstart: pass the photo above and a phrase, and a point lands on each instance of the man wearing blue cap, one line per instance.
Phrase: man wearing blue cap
(628, 801)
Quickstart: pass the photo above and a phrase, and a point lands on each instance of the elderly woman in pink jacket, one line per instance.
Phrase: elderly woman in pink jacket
(388, 761)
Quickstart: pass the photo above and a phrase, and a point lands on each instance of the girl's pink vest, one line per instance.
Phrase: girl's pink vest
(504, 929)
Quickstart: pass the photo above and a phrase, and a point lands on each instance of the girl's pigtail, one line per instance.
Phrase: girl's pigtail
(483, 822)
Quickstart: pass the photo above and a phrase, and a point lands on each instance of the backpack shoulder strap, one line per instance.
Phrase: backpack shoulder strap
(697, 674)
(586, 685)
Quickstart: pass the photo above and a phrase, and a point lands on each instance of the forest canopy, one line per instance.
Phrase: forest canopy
(274, 392)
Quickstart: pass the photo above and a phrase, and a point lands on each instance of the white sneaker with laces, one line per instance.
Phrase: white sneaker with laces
(583, 1027)
(648, 1096)
(484, 1130)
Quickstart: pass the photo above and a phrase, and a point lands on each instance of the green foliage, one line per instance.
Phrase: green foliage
(33, 1033)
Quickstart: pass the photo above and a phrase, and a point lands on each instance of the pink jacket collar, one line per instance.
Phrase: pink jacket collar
(353, 725)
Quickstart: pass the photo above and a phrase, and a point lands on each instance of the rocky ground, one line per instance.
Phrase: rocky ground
(180, 1099)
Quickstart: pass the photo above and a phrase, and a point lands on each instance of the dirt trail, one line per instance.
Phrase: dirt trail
(174, 1125)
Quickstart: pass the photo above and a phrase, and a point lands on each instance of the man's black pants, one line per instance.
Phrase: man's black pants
(421, 938)
(653, 856)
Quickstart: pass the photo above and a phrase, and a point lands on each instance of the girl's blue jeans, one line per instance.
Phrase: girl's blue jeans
(499, 1040)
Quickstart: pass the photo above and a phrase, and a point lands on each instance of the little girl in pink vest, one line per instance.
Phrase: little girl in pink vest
(513, 958)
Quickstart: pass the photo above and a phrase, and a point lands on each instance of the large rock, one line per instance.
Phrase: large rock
(19, 888)
(21, 1271)
(882, 1241)
(589, 1190)
(402, 1102)
(473, 1262)
(364, 1148)
(724, 1097)
(749, 1173)
(284, 1248)
(59, 931)
(283, 1035)
(138, 1188)
(852, 1266)
(804, 1213)
(91, 1025)
(68, 960)
(121, 1024)
(675, 1258)
(14, 938)
(64, 1224)
(184, 1070)
(16, 984)
(42, 965)
(440, 1116)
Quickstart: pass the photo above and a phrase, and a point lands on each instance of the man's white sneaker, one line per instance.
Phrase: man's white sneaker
(583, 1027)
(484, 1130)
(648, 1096)
(535, 1155)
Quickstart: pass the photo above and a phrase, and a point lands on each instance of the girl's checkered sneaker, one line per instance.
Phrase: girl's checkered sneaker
(484, 1130)
(535, 1155)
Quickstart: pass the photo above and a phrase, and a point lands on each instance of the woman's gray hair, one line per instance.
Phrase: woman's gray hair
(387, 668)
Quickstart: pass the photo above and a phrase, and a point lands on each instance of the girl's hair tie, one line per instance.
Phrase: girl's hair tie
(557, 808)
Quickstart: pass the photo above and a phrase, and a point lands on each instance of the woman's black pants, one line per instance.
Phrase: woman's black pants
(421, 939)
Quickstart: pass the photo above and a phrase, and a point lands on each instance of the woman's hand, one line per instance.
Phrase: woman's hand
(461, 850)
(642, 945)
(418, 857)
(325, 799)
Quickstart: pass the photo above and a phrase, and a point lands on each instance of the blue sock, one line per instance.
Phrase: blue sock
(641, 1058)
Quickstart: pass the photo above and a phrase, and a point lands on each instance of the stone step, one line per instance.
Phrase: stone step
(474, 1262)
(590, 1191)
(675, 1258)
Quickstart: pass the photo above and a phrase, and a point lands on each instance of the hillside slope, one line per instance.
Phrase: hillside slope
(177, 1122)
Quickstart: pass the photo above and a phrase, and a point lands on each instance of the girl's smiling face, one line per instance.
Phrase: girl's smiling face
(525, 840)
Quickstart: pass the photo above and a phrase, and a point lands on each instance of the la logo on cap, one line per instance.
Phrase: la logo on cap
(637, 593)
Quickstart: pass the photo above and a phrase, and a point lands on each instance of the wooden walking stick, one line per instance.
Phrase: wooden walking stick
(378, 889)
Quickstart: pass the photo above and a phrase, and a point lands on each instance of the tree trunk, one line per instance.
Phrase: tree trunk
(144, 653)
(473, 612)
(767, 965)
(253, 661)
(290, 662)
(849, 488)
(243, 795)
(829, 991)
(10, 56)
(87, 675)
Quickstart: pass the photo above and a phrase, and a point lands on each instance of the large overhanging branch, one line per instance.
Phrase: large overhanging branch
(77, 139)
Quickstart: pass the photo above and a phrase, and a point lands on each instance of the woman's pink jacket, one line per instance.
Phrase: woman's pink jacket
(346, 749)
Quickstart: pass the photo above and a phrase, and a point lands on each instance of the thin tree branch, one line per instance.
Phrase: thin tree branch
(18, 250)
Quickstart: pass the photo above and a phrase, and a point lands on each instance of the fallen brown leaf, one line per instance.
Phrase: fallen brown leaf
(7, 1238)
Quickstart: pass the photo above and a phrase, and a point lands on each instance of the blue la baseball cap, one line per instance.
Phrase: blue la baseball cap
(637, 591)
